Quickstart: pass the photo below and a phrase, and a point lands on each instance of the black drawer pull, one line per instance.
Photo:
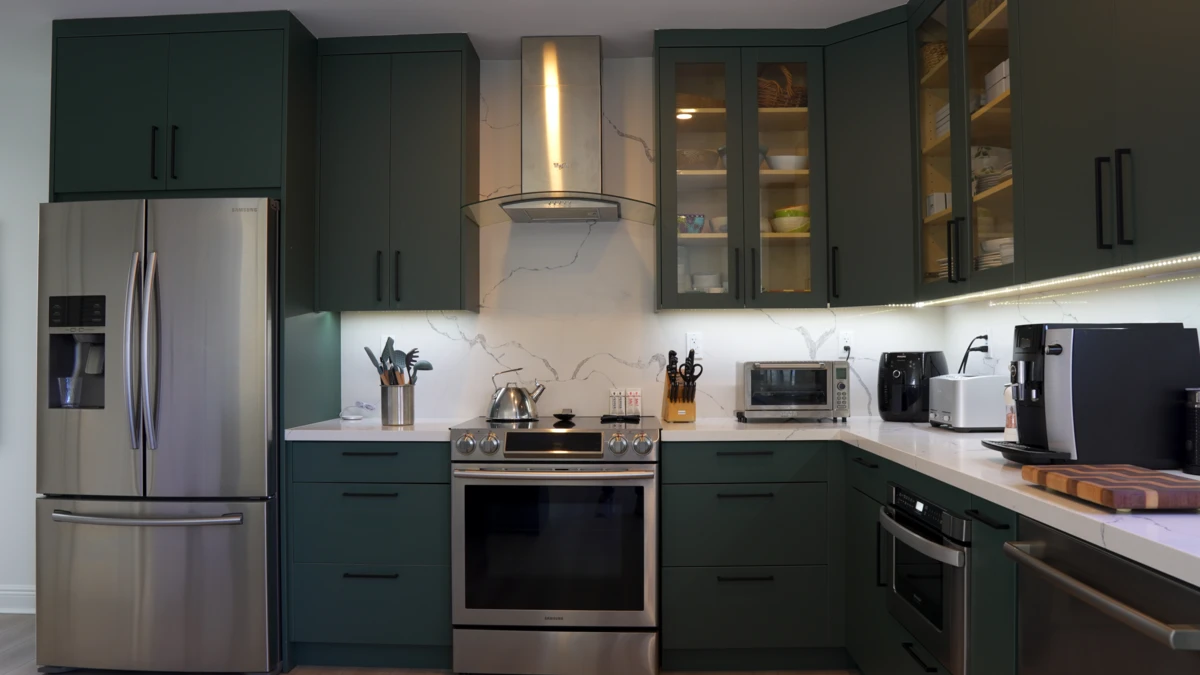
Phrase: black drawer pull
(174, 145)
(766, 578)
(994, 524)
(397, 273)
(862, 462)
(754, 282)
(752, 453)
(908, 647)
(737, 276)
(354, 453)
(743, 495)
(153, 153)
(354, 575)
(370, 494)
(378, 276)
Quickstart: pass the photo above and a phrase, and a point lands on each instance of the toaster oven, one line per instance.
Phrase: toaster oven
(781, 390)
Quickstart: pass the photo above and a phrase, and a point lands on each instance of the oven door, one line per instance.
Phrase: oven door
(789, 386)
(555, 545)
(928, 590)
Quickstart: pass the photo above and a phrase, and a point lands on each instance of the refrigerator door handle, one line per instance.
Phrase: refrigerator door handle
(147, 300)
(69, 517)
(131, 405)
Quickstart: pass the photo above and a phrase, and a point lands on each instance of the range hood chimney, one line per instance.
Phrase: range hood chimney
(561, 150)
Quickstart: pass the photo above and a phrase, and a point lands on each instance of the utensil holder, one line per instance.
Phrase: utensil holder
(396, 404)
(677, 411)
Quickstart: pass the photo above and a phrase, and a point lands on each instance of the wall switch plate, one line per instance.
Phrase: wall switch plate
(633, 401)
(847, 341)
(616, 402)
(695, 341)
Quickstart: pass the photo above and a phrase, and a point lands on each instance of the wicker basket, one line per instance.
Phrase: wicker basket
(696, 160)
(772, 94)
(933, 53)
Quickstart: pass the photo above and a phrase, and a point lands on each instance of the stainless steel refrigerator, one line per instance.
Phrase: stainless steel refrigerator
(156, 442)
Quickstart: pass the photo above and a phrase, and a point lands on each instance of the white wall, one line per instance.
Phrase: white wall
(24, 170)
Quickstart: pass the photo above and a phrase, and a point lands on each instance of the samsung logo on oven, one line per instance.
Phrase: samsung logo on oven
(554, 618)
(245, 209)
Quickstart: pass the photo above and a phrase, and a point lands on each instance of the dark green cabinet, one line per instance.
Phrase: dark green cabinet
(868, 104)
(866, 583)
(176, 104)
(398, 159)
(993, 609)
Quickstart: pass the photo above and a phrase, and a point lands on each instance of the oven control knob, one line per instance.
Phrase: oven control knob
(642, 444)
(490, 445)
(617, 445)
(465, 444)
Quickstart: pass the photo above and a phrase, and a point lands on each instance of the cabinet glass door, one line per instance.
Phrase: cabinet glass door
(781, 154)
(990, 105)
(936, 202)
(700, 215)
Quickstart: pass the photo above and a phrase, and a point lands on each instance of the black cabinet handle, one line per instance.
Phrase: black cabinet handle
(766, 578)
(153, 153)
(754, 284)
(951, 276)
(1100, 162)
(833, 272)
(880, 579)
(908, 647)
(862, 462)
(174, 145)
(744, 495)
(397, 273)
(737, 275)
(378, 276)
(354, 575)
(370, 494)
(974, 514)
(746, 454)
(355, 453)
(1119, 189)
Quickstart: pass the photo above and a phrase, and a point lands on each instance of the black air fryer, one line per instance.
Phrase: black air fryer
(904, 384)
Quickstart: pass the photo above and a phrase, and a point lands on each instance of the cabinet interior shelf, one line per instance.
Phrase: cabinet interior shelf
(939, 218)
(722, 238)
(992, 124)
(994, 191)
(938, 76)
(769, 119)
(708, 179)
(938, 147)
(993, 30)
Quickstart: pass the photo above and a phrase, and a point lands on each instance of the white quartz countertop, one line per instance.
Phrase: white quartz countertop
(371, 429)
(1165, 541)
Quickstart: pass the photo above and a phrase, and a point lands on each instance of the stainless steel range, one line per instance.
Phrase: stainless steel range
(555, 547)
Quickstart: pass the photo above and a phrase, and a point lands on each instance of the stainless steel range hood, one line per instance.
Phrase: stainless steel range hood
(561, 151)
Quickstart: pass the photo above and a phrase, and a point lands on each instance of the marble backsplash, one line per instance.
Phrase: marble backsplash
(573, 305)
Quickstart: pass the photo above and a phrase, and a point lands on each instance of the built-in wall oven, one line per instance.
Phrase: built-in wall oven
(929, 572)
(554, 547)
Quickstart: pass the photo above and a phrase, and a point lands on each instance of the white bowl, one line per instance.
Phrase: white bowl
(788, 162)
(792, 224)
(764, 224)
(704, 282)
(994, 245)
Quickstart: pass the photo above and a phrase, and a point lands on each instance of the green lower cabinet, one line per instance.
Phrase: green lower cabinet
(993, 609)
(371, 522)
(866, 583)
(775, 462)
(371, 604)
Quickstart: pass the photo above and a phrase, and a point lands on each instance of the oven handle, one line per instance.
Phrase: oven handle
(942, 554)
(1177, 637)
(501, 474)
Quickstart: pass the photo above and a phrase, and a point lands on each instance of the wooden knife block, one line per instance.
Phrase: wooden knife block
(679, 411)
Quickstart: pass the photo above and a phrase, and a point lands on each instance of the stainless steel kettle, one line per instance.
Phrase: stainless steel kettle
(514, 403)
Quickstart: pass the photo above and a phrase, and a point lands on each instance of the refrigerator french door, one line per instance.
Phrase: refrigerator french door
(156, 536)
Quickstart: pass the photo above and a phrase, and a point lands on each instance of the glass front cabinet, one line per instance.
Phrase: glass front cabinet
(742, 194)
(965, 141)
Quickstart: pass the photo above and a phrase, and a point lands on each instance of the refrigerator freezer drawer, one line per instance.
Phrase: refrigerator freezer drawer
(163, 586)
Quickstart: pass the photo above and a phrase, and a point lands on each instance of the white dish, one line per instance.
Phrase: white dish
(788, 162)
(764, 224)
(704, 282)
(792, 224)
(720, 224)
(995, 245)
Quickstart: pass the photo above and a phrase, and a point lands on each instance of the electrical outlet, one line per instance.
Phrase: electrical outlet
(695, 343)
(847, 339)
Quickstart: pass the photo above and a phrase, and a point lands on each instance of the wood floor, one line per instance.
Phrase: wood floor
(17, 656)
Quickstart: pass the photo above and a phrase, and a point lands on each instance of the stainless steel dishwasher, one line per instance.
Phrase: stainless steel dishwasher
(1085, 610)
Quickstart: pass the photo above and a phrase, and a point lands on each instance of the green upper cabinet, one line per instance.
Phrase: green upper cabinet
(180, 103)
(868, 111)
(225, 110)
(965, 142)
(741, 137)
(399, 156)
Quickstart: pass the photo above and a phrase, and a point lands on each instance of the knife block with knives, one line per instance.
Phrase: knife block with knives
(679, 391)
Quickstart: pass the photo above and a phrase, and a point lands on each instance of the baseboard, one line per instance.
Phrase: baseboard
(17, 600)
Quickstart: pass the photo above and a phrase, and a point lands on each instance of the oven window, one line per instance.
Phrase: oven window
(555, 547)
(918, 579)
(789, 387)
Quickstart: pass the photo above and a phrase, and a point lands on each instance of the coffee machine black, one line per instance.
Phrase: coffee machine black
(904, 384)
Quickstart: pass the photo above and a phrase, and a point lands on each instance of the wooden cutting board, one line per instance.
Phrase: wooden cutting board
(1118, 486)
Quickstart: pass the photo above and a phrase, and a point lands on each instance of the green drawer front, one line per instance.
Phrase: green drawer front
(745, 607)
(370, 523)
(776, 462)
(371, 604)
(370, 462)
(867, 473)
(763, 524)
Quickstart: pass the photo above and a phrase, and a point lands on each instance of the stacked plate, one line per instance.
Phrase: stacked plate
(996, 252)
(987, 181)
